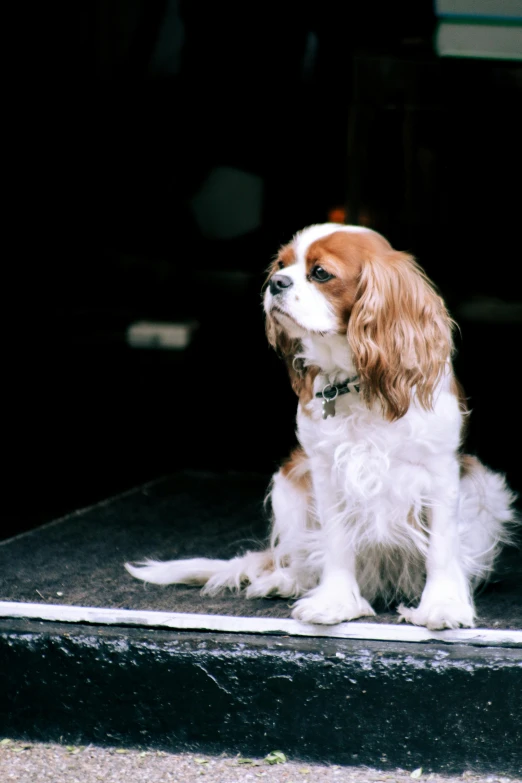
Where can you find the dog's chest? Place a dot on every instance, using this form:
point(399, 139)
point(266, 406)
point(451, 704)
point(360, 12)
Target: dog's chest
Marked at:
point(363, 455)
point(348, 425)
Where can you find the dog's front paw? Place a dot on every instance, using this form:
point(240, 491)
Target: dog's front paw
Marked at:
point(437, 616)
point(323, 609)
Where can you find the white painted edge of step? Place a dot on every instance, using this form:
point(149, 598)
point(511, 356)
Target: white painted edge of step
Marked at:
point(179, 621)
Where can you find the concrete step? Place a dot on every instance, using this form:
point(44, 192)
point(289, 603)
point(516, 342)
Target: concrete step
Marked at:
point(88, 654)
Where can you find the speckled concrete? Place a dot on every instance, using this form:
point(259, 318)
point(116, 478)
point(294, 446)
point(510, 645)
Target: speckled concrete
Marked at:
point(28, 762)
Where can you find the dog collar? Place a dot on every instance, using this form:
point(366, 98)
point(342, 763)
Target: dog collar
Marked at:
point(330, 392)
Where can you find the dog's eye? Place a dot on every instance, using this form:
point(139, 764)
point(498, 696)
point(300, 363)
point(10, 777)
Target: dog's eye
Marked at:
point(280, 265)
point(320, 275)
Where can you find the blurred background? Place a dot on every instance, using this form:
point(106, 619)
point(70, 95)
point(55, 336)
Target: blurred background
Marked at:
point(162, 152)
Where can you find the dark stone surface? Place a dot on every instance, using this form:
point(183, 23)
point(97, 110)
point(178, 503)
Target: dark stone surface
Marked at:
point(445, 708)
point(79, 560)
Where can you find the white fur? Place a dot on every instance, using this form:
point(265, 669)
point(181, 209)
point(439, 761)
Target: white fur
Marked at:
point(387, 515)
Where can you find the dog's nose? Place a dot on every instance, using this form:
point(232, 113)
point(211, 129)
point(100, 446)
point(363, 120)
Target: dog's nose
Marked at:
point(278, 283)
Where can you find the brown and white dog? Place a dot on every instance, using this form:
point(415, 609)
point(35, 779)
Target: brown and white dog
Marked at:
point(377, 502)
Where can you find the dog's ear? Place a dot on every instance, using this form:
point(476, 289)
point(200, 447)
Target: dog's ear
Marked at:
point(400, 333)
point(301, 377)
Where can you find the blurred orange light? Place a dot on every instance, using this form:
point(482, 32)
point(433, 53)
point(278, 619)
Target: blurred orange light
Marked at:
point(337, 215)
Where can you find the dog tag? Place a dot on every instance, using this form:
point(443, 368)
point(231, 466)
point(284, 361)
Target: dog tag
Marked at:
point(328, 407)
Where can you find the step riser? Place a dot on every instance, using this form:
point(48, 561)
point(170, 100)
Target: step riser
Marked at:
point(447, 708)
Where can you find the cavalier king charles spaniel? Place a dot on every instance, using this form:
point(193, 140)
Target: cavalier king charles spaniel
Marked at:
point(377, 503)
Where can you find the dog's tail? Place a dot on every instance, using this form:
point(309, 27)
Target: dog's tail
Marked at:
point(488, 518)
point(213, 575)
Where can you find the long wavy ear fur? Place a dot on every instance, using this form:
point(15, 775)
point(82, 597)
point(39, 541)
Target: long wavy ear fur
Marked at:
point(400, 333)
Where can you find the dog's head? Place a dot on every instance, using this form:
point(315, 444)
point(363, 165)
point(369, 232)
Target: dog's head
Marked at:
point(333, 279)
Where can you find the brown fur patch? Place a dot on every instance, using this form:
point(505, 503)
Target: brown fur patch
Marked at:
point(287, 255)
point(295, 469)
point(468, 464)
point(303, 386)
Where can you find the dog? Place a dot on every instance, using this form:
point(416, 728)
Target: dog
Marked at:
point(378, 503)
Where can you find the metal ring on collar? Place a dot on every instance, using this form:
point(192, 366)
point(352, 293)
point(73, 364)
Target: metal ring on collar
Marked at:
point(297, 364)
point(330, 386)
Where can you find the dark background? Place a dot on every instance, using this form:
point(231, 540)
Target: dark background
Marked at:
point(121, 109)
